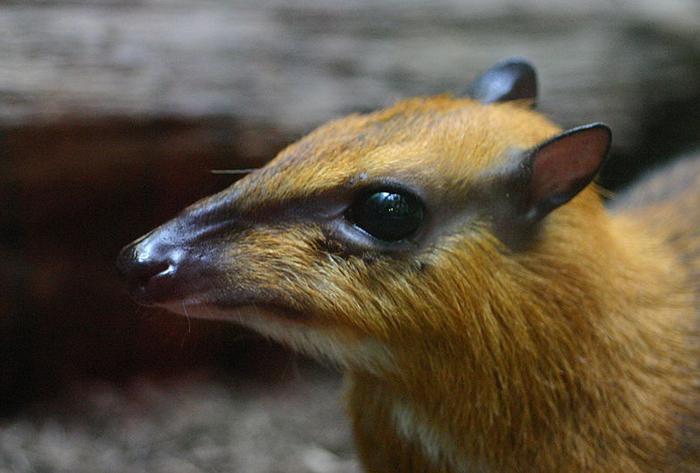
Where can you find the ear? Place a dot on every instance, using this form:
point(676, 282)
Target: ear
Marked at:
point(512, 79)
point(555, 171)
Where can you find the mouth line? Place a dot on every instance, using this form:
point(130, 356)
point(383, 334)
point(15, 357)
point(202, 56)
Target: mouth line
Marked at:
point(236, 310)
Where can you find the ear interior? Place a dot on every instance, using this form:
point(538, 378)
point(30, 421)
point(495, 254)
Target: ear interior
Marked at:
point(563, 166)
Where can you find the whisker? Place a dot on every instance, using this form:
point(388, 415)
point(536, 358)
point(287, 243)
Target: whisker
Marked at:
point(232, 171)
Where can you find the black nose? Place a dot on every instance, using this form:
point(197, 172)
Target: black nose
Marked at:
point(148, 265)
point(138, 266)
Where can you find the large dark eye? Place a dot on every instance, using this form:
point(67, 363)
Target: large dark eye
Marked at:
point(388, 215)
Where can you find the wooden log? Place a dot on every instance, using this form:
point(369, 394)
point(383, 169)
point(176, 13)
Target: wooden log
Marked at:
point(296, 64)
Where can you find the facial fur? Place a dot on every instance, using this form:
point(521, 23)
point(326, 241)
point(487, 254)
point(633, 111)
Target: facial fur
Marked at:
point(289, 244)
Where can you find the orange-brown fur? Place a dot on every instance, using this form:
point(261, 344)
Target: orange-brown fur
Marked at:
point(577, 354)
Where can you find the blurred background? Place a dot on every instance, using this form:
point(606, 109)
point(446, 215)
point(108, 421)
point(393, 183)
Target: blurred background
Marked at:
point(114, 112)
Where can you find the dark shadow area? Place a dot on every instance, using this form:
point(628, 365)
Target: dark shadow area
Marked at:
point(73, 194)
point(669, 130)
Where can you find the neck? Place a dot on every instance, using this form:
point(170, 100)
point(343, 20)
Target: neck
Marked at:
point(592, 373)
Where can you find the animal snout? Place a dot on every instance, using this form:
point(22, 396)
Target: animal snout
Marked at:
point(150, 266)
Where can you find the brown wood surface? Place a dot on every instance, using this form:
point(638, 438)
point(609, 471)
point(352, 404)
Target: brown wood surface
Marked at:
point(296, 64)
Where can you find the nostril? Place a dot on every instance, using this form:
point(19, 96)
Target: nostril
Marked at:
point(136, 269)
point(146, 271)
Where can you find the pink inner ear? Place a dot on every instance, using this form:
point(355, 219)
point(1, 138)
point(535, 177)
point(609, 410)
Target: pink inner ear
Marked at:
point(563, 166)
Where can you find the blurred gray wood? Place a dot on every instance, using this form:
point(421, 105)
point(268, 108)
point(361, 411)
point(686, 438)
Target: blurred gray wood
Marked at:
point(295, 64)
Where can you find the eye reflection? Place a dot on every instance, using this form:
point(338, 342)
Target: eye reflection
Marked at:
point(388, 215)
